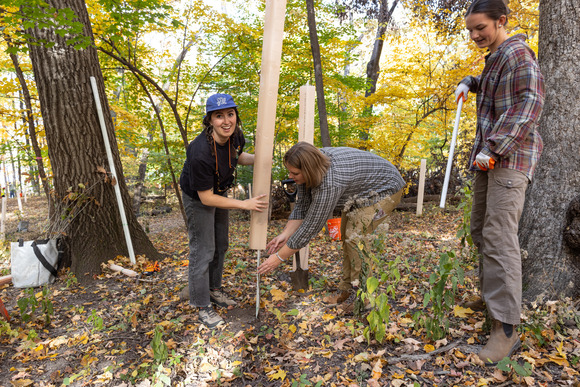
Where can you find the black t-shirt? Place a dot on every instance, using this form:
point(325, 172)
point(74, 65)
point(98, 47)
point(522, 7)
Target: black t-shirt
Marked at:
point(199, 169)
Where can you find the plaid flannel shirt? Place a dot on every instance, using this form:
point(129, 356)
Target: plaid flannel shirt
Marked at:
point(355, 178)
point(510, 97)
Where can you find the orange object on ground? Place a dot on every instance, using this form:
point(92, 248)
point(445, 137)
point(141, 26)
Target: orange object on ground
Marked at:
point(152, 268)
point(3, 311)
point(333, 226)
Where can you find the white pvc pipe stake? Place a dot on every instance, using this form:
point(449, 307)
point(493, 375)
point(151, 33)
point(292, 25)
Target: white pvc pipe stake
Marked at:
point(451, 150)
point(258, 288)
point(113, 172)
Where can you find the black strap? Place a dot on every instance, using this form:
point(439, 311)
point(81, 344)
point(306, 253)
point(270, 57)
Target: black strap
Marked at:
point(43, 260)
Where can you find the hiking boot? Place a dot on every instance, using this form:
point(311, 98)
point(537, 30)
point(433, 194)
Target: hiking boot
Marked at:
point(337, 297)
point(184, 294)
point(209, 317)
point(477, 305)
point(220, 298)
point(503, 341)
point(347, 307)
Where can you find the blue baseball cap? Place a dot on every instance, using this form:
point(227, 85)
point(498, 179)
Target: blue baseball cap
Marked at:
point(218, 102)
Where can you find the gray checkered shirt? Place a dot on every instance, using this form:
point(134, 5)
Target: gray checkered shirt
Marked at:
point(354, 179)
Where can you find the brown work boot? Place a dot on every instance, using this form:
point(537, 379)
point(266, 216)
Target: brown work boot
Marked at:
point(503, 341)
point(337, 297)
point(347, 307)
point(477, 305)
point(184, 294)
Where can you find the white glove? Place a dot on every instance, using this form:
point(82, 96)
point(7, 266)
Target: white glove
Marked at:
point(461, 92)
point(484, 162)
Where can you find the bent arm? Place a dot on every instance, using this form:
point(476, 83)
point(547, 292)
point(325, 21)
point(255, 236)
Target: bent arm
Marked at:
point(246, 159)
point(208, 198)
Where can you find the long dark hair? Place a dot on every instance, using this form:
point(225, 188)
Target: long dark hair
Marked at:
point(493, 9)
point(208, 128)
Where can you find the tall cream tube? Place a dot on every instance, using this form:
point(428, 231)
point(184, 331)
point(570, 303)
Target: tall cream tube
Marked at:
point(267, 99)
point(306, 114)
point(306, 133)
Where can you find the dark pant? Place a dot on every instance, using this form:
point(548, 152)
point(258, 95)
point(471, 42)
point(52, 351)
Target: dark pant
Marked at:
point(208, 243)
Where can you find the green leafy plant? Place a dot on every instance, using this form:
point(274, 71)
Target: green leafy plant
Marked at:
point(71, 279)
point(377, 297)
point(441, 295)
point(6, 330)
point(508, 365)
point(96, 321)
point(159, 347)
point(29, 301)
point(303, 381)
point(376, 288)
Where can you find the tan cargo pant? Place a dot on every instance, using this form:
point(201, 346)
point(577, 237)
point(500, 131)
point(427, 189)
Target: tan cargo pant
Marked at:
point(362, 221)
point(498, 201)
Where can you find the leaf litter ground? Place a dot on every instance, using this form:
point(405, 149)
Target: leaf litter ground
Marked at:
point(119, 331)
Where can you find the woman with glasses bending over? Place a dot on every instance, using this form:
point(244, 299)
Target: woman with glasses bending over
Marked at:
point(510, 97)
point(207, 175)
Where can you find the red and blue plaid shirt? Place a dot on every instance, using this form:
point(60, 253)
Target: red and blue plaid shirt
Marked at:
point(510, 97)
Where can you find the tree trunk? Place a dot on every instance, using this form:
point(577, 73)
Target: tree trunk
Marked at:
point(324, 133)
point(373, 66)
point(140, 183)
point(29, 119)
point(552, 266)
point(77, 152)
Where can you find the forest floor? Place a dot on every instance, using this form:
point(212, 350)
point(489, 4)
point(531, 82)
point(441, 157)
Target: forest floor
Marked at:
point(118, 331)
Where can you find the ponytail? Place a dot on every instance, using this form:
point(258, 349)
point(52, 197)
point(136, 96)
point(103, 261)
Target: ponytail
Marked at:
point(494, 9)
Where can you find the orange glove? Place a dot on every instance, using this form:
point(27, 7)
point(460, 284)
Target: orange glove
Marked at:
point(483, 162)
point(461, 91)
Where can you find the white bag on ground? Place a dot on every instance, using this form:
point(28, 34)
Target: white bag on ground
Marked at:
point(34, 263)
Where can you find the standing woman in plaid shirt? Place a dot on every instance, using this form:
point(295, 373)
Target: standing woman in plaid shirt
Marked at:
point(364, 186)
point(510, 96)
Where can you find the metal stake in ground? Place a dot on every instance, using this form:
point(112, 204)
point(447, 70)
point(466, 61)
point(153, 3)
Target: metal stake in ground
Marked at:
point(258, 288)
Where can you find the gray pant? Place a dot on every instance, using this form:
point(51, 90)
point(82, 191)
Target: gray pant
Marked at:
point(208, 243)
point(498, 201)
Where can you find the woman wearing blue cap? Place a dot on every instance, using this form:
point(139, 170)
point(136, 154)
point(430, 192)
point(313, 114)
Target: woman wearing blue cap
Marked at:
point(207, 175)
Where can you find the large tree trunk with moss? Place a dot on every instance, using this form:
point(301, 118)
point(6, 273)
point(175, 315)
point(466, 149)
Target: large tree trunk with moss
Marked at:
point(77, 152)
point(550, 225)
